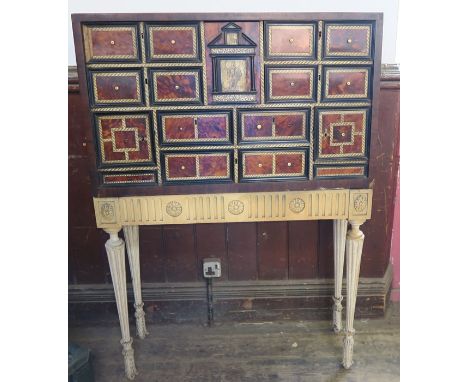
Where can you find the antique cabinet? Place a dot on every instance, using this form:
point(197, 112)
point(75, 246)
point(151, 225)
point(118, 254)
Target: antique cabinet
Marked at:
point(206, 118)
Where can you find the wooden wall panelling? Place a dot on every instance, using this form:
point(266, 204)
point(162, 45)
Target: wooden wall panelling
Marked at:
point(272, 250)
point(242, 254)
point(303, 249)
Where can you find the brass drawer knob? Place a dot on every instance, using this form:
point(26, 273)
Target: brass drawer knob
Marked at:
point(182, 167)
point(177, 87)
point(112, 42)
point(259, 127)
point(349, 41)
point(348, 83)
point(181, 128)
point(343, 134)
point(260, 165)
point(291, 40)
point(289, 164)
point(172, 42)
point(292, 84)
point(116, 87)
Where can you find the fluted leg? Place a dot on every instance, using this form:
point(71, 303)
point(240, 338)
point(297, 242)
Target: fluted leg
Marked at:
point(133, 250)
point(354, 243)
point(115, 248)
point(339, 240)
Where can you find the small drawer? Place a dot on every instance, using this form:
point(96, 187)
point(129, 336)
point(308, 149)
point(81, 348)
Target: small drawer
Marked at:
point(198, 166)
point(176, 42)
point(290, 84)
point(342, 133)
point(106, 43)
point(195, 128)
point(290, 41)
point(274, 164)
point(124, 139)
point(175, 86)
point(346, 83)
point(277, 125)
point(122, 179)
point(347, 40)
point(122, 87)
point(340, 171)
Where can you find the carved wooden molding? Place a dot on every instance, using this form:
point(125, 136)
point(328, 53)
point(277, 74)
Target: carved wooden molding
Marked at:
point(233, 207)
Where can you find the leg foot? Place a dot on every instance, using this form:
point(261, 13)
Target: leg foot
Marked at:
point(354, 243)
point(129, 359)
point(339, 239)
point(140, 321)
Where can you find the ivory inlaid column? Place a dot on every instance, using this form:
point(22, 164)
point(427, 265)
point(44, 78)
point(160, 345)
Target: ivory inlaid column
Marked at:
point(354, 243)
point(115, 248)
point(339, 240)
point(132, 241)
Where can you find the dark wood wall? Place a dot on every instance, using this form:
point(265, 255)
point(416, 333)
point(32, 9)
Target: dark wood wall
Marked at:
point(249, 251)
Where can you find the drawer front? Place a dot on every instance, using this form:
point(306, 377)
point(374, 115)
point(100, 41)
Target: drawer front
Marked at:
point(111, 43)
point(129, 178)
point(290, 84)
point(267, 125)
point(341, 171)
point(347, 40)
point(195, 128)
point(122, 87)
point(198, 166)
point(342, 133)
point(124, 139)
point(346, 83)
point(176, 86)
point(273, 164)
point(173, 42)
point(290, 41)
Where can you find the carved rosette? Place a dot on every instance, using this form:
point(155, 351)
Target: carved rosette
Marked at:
point(236, 207)
point(360, 203)
point(107, 212)
point(297, 205)
point(174, 208)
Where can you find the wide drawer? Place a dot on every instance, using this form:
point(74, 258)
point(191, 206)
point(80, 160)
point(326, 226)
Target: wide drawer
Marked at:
point(173, 42)
point(207, 127)
point(197, 166)
point(342, 133)
point(274, 125)
point(340, 171)
point(175, 86)
point(128, 178)
point(347, 40)
point(346, 83)
point(116, 42)
point(292, 84)
point(124, 138)
point(116, 87)
point(278, 165)
point(290, 40)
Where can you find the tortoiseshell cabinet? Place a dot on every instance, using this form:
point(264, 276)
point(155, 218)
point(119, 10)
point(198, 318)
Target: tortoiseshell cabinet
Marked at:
point(224, 104)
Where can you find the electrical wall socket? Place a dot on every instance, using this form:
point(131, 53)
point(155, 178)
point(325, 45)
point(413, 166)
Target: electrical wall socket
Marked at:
point(211, 268)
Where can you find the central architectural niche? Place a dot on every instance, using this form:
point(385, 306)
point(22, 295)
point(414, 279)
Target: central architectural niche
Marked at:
point(233, 62)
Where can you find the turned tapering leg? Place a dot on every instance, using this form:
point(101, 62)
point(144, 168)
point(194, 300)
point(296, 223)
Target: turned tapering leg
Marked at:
point(354, 243)
point(115, 248)
point(133, 250)
point(339, 240)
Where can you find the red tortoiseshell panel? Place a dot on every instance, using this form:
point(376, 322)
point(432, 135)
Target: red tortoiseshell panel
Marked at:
point(290, 125)
point(179, 128)
point(291, 40)
point(289, 163)
point(129, 178)
point(109, 87)
point(183, 166)
point(258, 164)
point(111, 43)
point(258, 126)
point(173, 42)
point(213, 165)
point(339, 171)
point(347, 40)
point(346, 84)
point(290, 84)
point(212, 127)
point(176, 86)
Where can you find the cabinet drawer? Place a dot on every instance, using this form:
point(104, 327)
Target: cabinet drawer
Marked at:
point(123, 87)
point(346, 83)
point(290, 41)
point(340, 171)
point(124, 139)
point(273, 164)
point(194, 128)
point(128, 178)
point(179, 42)
point(196, 166)
point(277, 125)
point(176, 86)
point(347, 40)
point(111, 43)
point(342, 133)
point(290, 84)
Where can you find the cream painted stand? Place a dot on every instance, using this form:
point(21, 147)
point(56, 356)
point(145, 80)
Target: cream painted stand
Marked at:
point(340, 205)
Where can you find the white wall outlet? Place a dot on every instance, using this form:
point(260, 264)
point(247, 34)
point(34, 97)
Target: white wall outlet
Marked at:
point(211, 268)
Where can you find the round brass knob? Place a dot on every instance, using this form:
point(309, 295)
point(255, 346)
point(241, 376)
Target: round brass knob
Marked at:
point(116, 88)
point(181, 128)
point(112, 42)
point(292, 84)
point(291, 40)
point(260, 165)
point(343, 134)
point(172, 42)
point(289, 164)
point(177, 87)
point(259, 127)
point(348, 83)
point(182, 167)
point(349, 41)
